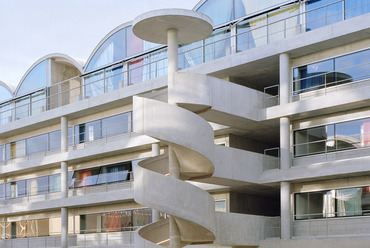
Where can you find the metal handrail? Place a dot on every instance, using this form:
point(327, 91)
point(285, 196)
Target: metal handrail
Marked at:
point(126, 78)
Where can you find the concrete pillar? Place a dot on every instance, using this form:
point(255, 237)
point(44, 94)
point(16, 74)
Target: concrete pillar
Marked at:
point(155, 152)
point(175, 238)
point(174, 168)
point(285, 212)
point(64, 181)
point(284, 67)
point(64, 232)
point(284, 143)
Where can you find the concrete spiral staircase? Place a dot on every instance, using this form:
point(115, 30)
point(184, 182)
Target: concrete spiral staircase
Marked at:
point(192, 140)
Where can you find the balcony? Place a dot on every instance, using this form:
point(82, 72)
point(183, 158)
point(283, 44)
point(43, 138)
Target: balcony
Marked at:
point(246, 34)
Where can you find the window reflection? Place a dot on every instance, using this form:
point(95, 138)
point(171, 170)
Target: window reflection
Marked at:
point(34, 80)
point(220, 11)
point(113, 49)
point(323, 12)
point(217, 45)
point(332, 203)
point(334, 137)
point(344, 69)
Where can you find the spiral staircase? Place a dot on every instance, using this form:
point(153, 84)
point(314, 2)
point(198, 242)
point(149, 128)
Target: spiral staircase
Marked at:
point(192, 140)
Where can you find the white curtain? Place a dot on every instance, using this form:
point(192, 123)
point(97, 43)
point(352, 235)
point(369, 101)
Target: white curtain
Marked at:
point(349, 202)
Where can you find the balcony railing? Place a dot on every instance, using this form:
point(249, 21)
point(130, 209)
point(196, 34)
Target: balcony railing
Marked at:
point(21, 150)
point(326, 82)
point(154, 64)
point(327, 225)
point(107, 182)
point(91, 238)
point(327, 146)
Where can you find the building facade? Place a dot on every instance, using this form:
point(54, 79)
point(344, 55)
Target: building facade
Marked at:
point(270, 127)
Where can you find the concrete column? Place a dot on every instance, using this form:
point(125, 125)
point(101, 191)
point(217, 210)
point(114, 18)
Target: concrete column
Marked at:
point(64, 232)
point(175, 238)
point(284, 65)
point(64, 181)
point(155, 152)
point(174, 168)
point(172, 40)
point(284, 143)
point(285, 212)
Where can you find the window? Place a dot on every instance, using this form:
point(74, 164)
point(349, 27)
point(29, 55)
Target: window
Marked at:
point(332, 203)
point(16, 189)
point(344, 69)
point(54, 140)
point(321, 13)
point(116, 124)
point(217, 45)
point(334, 137)
point(34, 80)
point(220, 205)
point(37, 144)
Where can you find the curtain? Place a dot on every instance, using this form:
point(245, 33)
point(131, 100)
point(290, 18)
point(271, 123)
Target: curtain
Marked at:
point(349, 202)
point(329, 204)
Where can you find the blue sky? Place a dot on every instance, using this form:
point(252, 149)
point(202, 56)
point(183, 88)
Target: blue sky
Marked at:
point(30, 30)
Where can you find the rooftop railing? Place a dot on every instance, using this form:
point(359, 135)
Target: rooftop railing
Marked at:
point(249, 33)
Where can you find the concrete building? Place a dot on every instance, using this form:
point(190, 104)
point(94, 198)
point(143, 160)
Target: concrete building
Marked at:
point(254, 133)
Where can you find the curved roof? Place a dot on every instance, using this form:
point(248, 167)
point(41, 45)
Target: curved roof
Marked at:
point(5, 92)
point(37, 70)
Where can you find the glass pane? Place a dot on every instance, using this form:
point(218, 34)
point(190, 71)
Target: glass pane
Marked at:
point(252, 33)
point(217, 45)
point(94, 84)
point(22, 108)
point(87, 177)
point(352, 134)
point(136, 71)
point(220, 11)
point(5, 94)
point(38, 103)
point(114, 78)
point(21, 188)
point(190, 55)
point(158, 64)
point(134, 44)
point(349, 202)
point(356, 8)
point(322, 12)
point(54, 140)
point(79, 134)
point(113, 49)
point(116, 125)
point(141, 217)
point(352, 67)
point(37, 144)
point(220, 206)
point(17, 149)
point(54, 183)
point(93, 130)
point(38, 185)
point(35, 79)
point(2, 153)
point(2, 191)
point(6, 113)
point(283, 23)
point(314, 76)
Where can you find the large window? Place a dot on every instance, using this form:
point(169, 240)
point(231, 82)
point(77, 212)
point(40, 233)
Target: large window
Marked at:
point(332, 203)
point(345, 69)
point(102, 175)
point(29, 187)
point(34, 80)
point(321, 13)
point(333, 137)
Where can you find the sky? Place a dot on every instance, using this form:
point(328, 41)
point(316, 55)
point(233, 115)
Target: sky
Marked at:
point(30, 30)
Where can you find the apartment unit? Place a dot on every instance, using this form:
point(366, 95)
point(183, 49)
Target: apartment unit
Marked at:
point(267, 120)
